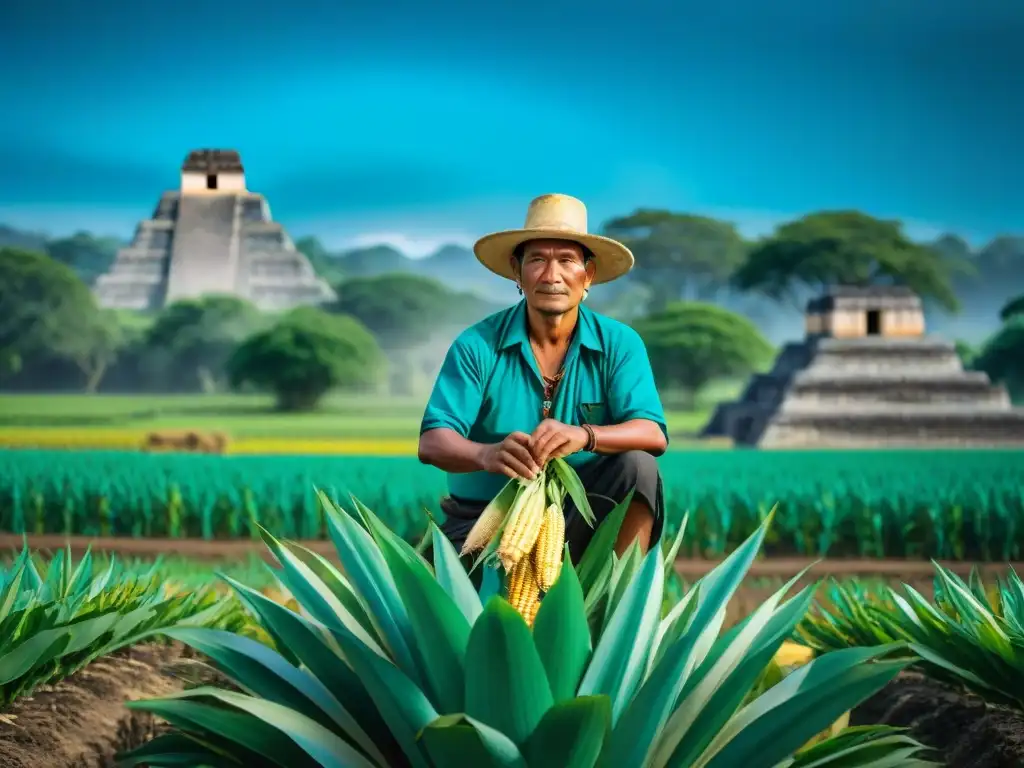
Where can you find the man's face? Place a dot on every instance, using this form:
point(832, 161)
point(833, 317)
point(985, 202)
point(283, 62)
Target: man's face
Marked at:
point(553, 275)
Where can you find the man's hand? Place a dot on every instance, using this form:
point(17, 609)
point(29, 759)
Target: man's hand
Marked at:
point(553, 439)
point(511, 457)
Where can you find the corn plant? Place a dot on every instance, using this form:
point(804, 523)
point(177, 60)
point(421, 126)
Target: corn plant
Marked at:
point(394, 662)
point(970, 635)
point(957, 505)
point(53, 624)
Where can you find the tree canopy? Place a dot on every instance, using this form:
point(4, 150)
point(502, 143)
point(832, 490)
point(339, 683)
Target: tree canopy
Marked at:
point(403, 310)
point(677, 254)
point(1002, 357)
point(1012, 308)
point(45, 308)
point(691, 344)
point(846, 248)
point(192, 339)
point(306, 354)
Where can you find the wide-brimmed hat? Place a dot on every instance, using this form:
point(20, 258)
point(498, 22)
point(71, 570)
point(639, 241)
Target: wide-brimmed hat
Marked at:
point(559, 217)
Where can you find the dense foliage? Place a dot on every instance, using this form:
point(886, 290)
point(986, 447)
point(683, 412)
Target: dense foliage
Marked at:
point(970, 635)
point(395, 661)
point(55, 622)
point(691, 344)
point(947, 504)
point(306, 354)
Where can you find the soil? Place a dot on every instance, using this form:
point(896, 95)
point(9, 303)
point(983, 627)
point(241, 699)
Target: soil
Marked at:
point(230, 549)
point(960, 727)
point(81, 722)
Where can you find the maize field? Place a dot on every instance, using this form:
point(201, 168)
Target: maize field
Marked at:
point(957, 505)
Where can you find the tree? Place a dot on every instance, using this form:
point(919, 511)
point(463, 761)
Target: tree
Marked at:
point(1012, 308)
point(306, 354)
point(192, 339)
point(96, 346)
point(846, 248)
point(88, 255)
point(679, 254)
point(691, 344)
point(403, 310)
point(1002, 357)
point(43, 305)
point(966, 352)
point(323, 263)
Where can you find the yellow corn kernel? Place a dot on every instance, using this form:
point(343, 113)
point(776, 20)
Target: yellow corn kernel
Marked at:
point(483, 529)
point(531, 612)
point(547, 554)
point(523, 589)
point(523, 527)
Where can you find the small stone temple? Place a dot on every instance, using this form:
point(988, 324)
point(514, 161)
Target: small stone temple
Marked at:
point(867, 376)
point(211, 235)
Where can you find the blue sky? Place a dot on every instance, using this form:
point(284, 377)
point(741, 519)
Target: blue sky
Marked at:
point(421, 122)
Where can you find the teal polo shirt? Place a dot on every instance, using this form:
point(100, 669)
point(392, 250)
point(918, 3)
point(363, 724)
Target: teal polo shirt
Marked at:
point(490, 385)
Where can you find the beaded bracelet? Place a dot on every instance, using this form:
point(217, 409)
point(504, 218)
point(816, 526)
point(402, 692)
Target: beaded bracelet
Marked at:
point(591, 438)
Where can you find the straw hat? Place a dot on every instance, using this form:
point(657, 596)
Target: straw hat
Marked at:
point(560, 217)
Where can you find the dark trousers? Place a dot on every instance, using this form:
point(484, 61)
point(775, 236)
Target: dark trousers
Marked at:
point(607, 479)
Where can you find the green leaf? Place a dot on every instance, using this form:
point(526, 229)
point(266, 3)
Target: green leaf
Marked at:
point(178, 749)
point(620, 658)
point(574, 487)
point(39, 648)
point(506, 687)
point(452, 576)
point(337, 583)
point(571, 734)
point(719, 687)
point(807, 701)
point(310, 645)
point(561, 634)
point(401, 703)
point(245, 731)
point(643, 720)
point(440, 630)
point(264, 673)
point(366, 569)
point(313, 595)
point(602, 546)
point(326, 749)
point(622, 575)
point(460, 740)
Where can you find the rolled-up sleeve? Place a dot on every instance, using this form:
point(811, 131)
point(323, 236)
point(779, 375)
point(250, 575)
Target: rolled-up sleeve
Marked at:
point(632, 392)
point(458, 392)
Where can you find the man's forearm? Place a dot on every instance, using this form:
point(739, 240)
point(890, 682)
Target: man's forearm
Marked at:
point(449, 451)
point(633, 435)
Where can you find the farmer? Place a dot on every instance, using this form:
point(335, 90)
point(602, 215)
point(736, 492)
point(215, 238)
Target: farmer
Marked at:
point(547, 378)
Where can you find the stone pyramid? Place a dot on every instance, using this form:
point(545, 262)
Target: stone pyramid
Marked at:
point(211, 236)
point(867, 376)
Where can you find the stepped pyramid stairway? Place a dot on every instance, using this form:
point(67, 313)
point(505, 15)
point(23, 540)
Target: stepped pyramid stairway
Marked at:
point(866, 376)
point(211, 236)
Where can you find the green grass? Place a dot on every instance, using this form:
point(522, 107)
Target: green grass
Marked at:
point(339, 416)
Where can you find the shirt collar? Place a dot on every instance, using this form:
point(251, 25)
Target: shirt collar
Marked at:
point(515, 329)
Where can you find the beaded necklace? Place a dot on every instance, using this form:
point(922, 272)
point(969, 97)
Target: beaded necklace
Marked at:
point(550, 385)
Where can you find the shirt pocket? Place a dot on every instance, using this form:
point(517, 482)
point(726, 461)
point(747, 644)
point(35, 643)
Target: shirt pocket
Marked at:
point(593, 414)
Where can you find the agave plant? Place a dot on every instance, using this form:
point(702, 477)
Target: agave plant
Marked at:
point(971, 635)
point(392, 662)
point(54, 624)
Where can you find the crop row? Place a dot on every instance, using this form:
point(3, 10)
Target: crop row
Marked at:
point(948, 505)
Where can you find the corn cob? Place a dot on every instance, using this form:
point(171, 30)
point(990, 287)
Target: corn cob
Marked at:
point(531, 612)
point(486, 526)
point(523, 590)
point(523, 526)
point(547, 553)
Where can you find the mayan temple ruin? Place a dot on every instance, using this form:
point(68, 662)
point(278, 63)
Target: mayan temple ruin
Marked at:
point(212, 235)
point(867, 376)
